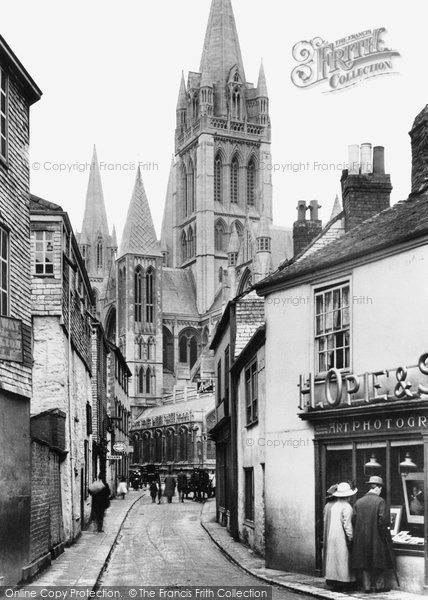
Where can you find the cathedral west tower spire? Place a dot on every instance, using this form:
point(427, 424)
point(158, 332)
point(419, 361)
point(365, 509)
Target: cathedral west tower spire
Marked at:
point(139, 301)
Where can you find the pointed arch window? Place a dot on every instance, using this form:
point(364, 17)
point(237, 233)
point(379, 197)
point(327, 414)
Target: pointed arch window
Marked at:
point(168, 349)
point(195, 105)
point(234, 180)
point(148, 382)
point(150, 296)
point(141, 381)
point(219, 236)
point(151, 349)
point(99, 252)
point(184, 182)
point(190, 244)
point(236, 104)
point(251, 183)
point(218, 179)
point(138, 294)
point(183, 247)
point(190, 189)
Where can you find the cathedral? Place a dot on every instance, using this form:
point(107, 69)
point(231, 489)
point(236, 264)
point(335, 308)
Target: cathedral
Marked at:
point(160, 299)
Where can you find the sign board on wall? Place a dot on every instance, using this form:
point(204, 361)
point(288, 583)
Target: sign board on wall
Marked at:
point(340, 390)
point(11, 339)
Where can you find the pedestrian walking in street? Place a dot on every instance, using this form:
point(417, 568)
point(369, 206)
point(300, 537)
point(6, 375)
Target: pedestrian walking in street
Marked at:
point(371, 521)
point(100, 492)
point(159, 492)
point(170, 485)
point(212, 484)
point(181, 484)
point(153, 491)
point(122, 488)
point(338, 534)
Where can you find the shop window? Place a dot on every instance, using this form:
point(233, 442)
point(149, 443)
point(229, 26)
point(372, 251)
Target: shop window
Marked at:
point(401, 466)
point(332, 328)
point(251, 393)
point(44, 252)
point(249, 494)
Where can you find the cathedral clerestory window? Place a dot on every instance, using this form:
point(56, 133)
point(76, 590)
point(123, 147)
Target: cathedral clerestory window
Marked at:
point(234, 180)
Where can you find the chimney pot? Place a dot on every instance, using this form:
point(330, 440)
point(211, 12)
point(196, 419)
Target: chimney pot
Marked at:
point(354, 159)
point(314, 208)
point(379, 160)
point(301, 210)
point(366, 158)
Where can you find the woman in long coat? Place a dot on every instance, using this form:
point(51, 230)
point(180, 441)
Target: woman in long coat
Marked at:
point(338, 536)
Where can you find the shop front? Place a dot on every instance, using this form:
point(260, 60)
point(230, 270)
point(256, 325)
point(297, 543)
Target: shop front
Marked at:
point(376, 424)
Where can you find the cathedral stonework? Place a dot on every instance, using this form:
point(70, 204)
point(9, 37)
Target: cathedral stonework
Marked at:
point(159, 300)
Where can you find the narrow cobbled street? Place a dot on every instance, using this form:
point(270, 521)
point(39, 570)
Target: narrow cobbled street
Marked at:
point(165, 545)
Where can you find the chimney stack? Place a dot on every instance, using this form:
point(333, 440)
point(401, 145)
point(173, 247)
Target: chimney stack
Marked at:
point(366, 189)
point(304, 231)
point(419, 138)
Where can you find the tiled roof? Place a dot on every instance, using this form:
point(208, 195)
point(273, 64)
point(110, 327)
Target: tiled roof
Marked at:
point(400, 223)
point(178, 292)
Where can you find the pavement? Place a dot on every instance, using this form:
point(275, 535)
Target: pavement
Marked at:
point(251, 563)
point(81, 564)
point(165, 545)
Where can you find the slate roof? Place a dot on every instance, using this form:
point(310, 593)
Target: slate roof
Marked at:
point(178, 292)
point(402, 222)
point(40, 204)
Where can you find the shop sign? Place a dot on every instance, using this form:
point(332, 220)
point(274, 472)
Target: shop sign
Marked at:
point(341, 390)
point(119, 447)
point(114, 457)
point(205, 386)
point(11, 339)
point(368, 426)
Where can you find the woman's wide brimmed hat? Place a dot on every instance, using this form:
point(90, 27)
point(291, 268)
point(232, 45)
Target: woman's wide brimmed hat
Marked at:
point(331, 490)
point(344, 490)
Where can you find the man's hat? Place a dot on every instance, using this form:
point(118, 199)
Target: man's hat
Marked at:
point(375, 479)
point(344, 490)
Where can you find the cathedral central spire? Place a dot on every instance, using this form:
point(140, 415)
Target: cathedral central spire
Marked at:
point(221, 50)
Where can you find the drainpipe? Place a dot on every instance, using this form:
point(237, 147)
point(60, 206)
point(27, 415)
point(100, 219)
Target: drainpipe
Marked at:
point(70, 427)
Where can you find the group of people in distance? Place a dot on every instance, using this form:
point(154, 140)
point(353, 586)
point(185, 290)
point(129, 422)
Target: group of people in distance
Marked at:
point(200, 483)
point(357, 539)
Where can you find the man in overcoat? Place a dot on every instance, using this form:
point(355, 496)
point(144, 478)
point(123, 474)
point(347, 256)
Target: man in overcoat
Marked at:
point(182, 484)
point(371, 520)
point(169, 490)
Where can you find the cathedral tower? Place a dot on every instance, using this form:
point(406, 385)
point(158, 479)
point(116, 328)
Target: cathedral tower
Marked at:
point(139, 301)
point(222, 146)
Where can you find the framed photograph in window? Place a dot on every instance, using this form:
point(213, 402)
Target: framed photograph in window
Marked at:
point(414, 497)
point(396, 514)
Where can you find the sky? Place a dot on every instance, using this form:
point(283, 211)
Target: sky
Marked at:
point(110, 75)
